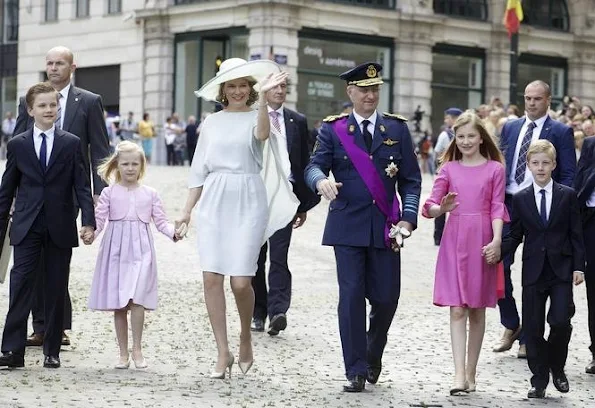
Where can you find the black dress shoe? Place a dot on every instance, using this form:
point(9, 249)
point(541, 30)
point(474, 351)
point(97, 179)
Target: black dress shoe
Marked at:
point(278, 323)
point(536, 393)
point(356, 384)
point(257, 325)
point(560, 381)
point(590, 369)
point(12, 360)
point(51, 362)
point(374, 369)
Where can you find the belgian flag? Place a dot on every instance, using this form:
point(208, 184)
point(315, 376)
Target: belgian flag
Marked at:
point(513, 16)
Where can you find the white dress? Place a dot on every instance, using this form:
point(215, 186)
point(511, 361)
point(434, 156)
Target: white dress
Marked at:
point(232, 217)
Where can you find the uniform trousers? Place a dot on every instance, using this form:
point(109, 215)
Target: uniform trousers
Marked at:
point(373, 274)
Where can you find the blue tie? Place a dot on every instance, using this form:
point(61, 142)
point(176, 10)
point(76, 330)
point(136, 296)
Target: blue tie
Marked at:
point(543, 210)
point(521, 165)
point(43, 153)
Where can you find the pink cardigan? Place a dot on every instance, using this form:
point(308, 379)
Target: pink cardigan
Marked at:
point(113, 205)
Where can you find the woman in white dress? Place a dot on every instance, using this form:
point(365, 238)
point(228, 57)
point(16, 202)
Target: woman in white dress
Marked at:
point(233, 209)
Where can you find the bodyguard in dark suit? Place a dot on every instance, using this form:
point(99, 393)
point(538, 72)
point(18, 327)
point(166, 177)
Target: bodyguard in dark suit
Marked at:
point(80, 112)
point(292, 127)
point(44, 166)
point(515, 139)
point(584, 185)
point(368, 153)
point(546, 215)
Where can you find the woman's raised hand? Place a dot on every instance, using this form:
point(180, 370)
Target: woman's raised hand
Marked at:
point(273, 81)
point(448, 203)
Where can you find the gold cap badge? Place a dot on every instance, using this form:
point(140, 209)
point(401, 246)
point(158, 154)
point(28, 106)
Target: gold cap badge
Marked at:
point(371, 72)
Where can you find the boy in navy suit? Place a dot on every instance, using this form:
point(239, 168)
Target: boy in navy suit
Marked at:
point(44, 167)
point(546, 214)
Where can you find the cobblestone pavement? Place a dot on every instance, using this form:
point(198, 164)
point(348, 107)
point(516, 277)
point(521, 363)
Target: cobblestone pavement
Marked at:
point(300, 368)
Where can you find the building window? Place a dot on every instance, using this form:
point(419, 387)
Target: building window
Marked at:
point(552, 70)
point(458, 76)
point(114, 6)
point(82, 8)
point(51, 10)
point(552, 14)
point(8, 96)
point(10, 32)
point(473, 9)
point(320, 91)
point(386, 4)
point(196, 57)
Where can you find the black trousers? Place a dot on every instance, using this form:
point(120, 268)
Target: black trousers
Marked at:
point(38, 309)
point(278, 297)
point(588, 215)
point(23, 277)
point(545, 355)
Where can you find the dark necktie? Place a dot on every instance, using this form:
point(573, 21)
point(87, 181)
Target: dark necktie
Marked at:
point(58, 120)
point(43, 153)
point(367, 134)
point(543, 210)
point(521, 165)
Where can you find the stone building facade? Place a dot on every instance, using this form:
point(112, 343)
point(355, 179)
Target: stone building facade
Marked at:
point(150, 55)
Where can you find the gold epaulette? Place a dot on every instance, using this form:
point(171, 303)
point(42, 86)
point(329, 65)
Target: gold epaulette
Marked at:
point(332, 118)
point(395, 116)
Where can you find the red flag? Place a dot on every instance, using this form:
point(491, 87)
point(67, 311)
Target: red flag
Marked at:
point(513, 16)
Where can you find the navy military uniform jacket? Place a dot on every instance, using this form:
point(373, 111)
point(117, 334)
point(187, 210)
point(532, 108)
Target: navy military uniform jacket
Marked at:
point(353, 218)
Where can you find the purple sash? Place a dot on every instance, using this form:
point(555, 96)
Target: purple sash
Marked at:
point(367, 170)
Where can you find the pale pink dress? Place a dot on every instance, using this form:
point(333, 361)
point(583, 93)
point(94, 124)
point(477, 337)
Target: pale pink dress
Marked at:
point(126, 267)
point(463, 277)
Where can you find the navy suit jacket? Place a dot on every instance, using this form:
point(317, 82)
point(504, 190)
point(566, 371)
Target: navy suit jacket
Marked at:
point(584, 183)
point(296, 129)
point(51, 192)
point(560, 241)
point(84, 118)
point(353, 218)
point(560, 135)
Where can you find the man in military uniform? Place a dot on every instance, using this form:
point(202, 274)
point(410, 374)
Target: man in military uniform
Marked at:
point(368, 153)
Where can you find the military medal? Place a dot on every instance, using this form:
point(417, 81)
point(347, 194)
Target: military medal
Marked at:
point(391, 170)
point(382, 128)
point(389, 141)
point(351, 128)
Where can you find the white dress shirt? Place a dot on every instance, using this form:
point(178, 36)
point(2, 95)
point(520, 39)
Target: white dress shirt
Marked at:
point(284, 151)
point(513, 187)
point(371, 126)
point(62, 102)
point(591, 200)
point(49, 141)
point(548, 197)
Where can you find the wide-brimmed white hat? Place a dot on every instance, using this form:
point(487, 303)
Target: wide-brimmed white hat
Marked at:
point(234, 68)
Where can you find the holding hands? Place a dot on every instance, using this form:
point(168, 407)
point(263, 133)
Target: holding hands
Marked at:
point(87, 234)
point(492, 252)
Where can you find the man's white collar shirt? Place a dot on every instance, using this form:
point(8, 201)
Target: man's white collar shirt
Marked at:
point(371, 126)
point(62, 102)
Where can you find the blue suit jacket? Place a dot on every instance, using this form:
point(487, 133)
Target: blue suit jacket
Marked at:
point(560, 135)
point(584, 183)
point(560, 241)
point(354, 219)
point(51, 192)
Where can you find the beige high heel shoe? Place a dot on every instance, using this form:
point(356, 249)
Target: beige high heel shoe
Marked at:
point(245, 366)
point(221, 375)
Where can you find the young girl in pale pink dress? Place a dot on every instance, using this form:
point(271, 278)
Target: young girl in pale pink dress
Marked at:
point(469, 186)
point(126, 270)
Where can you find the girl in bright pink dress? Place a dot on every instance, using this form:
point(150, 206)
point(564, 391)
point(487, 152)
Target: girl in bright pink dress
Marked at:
point(126, 271)
point(470, 186)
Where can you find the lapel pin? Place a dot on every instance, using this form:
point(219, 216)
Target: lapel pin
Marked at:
point(351, 128)
point(76, 99)
point(382, 128)
point(291, 119)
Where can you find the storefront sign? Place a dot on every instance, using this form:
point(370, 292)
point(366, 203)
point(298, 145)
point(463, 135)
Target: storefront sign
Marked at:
point(321, 88)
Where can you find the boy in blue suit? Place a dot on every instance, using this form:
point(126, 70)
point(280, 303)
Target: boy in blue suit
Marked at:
point(546, 214)
point(44, 168)
point(368, 153)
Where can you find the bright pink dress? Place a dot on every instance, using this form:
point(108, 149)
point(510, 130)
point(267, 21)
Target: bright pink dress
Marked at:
point(126, 267)
point(463, 277)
